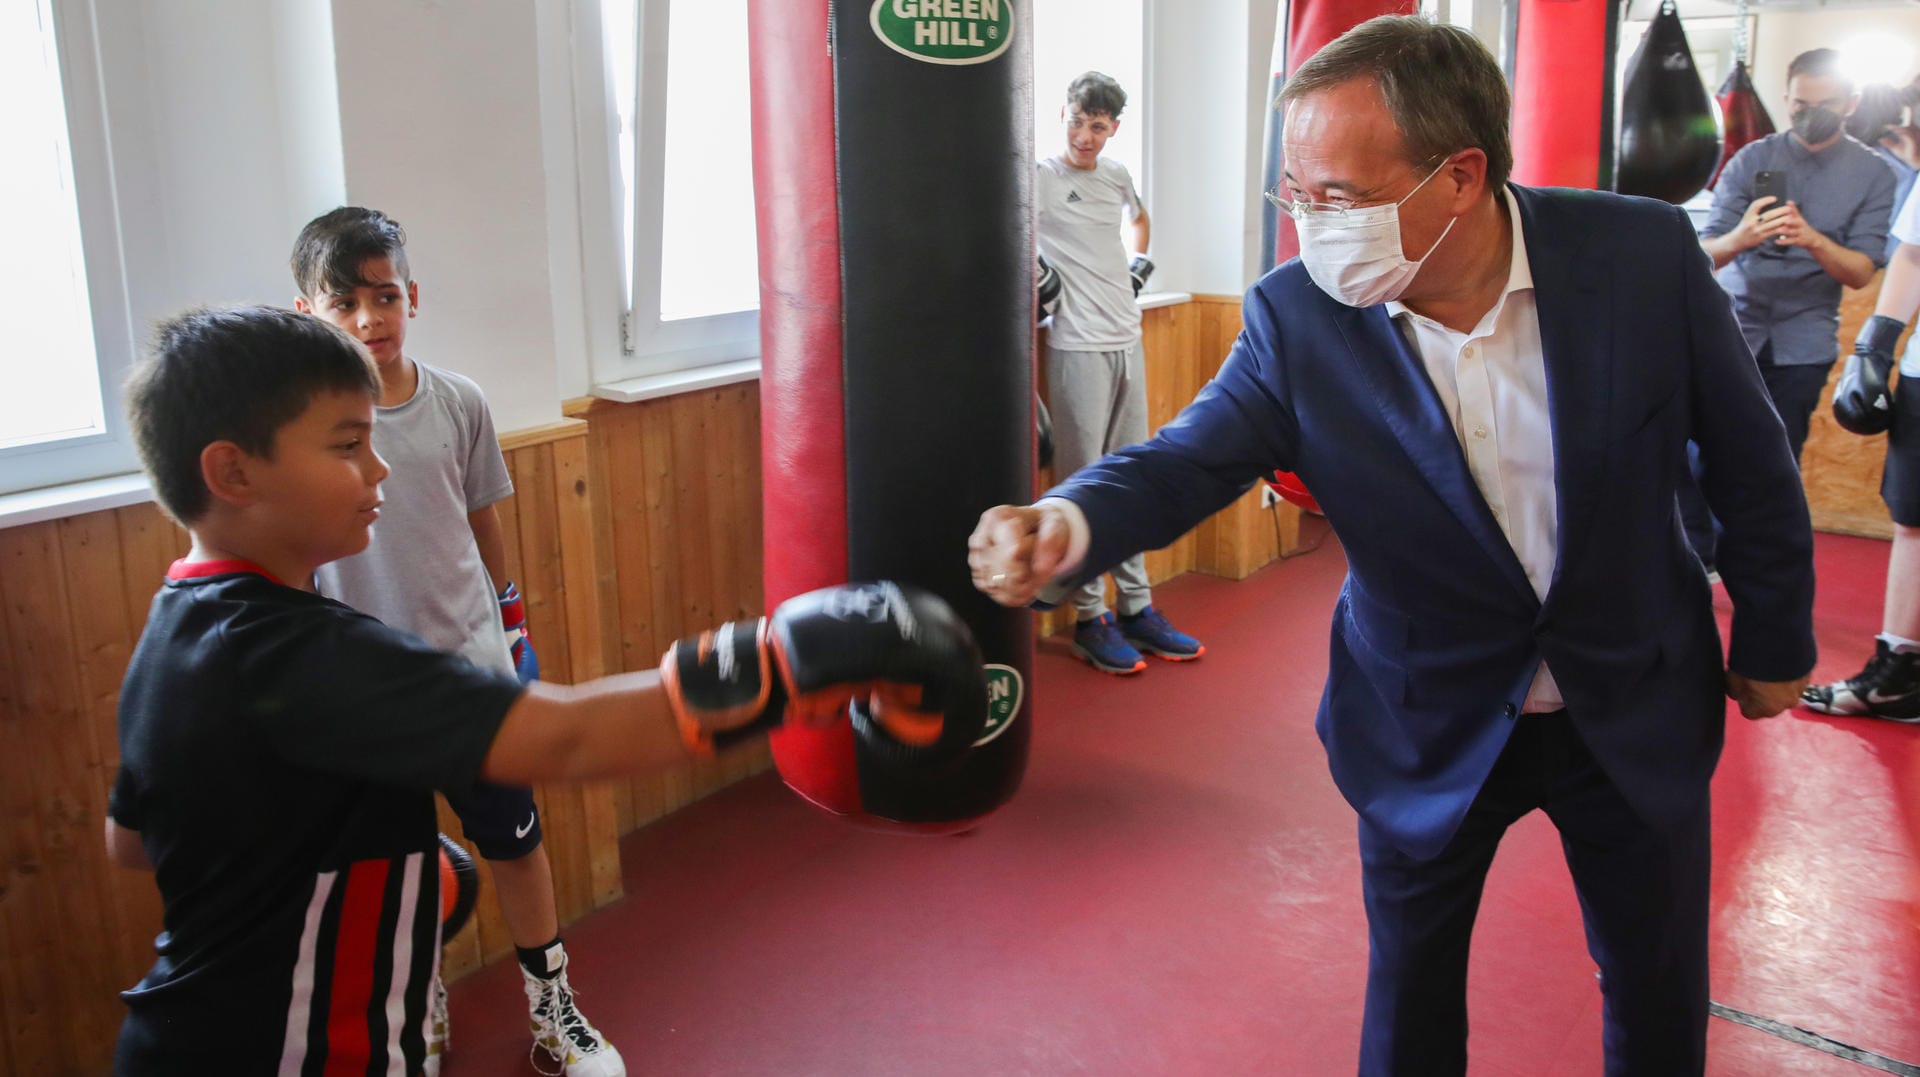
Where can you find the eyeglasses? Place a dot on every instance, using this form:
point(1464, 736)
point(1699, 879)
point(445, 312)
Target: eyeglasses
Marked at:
point(1336, 215)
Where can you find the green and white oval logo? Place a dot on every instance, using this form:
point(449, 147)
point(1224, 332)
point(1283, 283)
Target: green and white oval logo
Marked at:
point(945, 31)
point(1005, 692)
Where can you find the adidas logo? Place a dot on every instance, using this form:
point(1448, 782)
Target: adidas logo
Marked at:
point(1074, 196)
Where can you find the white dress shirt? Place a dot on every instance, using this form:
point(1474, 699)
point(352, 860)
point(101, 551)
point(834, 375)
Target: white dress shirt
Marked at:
point(1493, 384)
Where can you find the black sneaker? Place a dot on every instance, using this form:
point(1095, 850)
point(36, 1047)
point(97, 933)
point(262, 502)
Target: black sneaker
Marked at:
point(1888, 688)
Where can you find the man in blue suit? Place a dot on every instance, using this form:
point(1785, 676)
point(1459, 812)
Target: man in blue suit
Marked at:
point(1490, 390)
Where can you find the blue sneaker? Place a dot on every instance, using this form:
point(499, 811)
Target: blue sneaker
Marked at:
point(1151, 633)
point(1098, 641)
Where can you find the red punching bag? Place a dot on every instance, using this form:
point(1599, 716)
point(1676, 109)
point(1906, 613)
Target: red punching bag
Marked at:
point(1669, 136)
point(1561, 69)
point(1744, 115)
point(1309, 25)
point(896, 326)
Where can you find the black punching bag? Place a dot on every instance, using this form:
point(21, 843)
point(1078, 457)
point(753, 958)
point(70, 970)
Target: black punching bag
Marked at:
point(893, 179)
point(1669, 138)
point(1740, 109)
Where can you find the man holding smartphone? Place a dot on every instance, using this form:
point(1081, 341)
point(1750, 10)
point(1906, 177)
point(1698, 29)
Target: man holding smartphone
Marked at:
point(1796, 216)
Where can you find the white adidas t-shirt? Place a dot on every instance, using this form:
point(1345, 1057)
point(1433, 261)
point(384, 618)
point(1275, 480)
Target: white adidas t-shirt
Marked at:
point(1079, 218)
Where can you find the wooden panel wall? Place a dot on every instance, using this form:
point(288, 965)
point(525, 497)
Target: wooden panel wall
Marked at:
point(679, 479)
point(1842, 470)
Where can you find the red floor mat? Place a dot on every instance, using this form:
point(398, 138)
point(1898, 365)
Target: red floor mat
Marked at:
point(1176, 891)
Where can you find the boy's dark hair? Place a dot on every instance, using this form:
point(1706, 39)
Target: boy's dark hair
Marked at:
point(234, 374)
point(1095, 94)
point(333, 246)
point(1445, 90)
point(1819, 63)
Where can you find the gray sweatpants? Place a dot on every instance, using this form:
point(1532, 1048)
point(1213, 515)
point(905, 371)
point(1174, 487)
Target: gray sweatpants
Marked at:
point(1099, 403)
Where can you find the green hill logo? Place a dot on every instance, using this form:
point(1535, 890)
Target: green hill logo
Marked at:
point(945, 31)
point(1005, 692)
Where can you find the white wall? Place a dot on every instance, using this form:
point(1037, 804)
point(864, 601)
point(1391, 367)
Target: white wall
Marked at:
point(441, 127)
point(1207, 63)
point(214, 159)
point(1779, 36)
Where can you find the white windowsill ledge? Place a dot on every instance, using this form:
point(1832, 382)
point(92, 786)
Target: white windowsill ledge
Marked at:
point(1150, 300)
point(672, 383)
point(73, 499)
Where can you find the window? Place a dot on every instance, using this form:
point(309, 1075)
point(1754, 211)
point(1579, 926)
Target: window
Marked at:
point(681, 130)
point(678, 71)
point(59, 416)
point(1074, 36)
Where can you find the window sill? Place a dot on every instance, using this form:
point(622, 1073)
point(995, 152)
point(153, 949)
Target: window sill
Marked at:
point(73, 499)
point(675, 382)
point(1150, 300)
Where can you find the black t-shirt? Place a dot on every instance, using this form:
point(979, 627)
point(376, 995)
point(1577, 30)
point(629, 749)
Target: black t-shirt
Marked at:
point(278, 752)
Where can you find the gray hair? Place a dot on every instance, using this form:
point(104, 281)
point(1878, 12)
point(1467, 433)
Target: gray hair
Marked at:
point(1443, 88)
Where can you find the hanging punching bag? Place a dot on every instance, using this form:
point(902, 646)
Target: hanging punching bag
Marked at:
point(1561, 68)
point(1743, 113)
point(896, 324)
point(1669, 138)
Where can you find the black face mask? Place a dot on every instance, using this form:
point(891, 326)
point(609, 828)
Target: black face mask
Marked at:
point(1815, 125)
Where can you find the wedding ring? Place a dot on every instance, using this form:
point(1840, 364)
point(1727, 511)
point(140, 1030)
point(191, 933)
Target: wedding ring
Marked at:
point(996, 579)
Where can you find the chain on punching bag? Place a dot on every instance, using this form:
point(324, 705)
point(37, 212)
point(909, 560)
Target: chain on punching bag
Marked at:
point(1669, 136)
point(1741, 109)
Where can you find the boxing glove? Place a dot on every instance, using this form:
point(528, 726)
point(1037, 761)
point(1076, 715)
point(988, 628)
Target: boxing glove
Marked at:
point(1139, 268)
point(894, 658)
point(1862, 402)
point(513, 622)
point(1047, 281)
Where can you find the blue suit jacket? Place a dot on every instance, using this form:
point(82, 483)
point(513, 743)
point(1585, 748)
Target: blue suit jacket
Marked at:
point(1437, 633)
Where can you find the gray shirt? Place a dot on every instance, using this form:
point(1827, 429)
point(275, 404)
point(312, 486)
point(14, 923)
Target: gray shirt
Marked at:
point(1077, 223)
point(1780, 294)
point(422, 572)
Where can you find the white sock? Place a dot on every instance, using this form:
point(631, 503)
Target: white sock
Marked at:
point(1900, 644)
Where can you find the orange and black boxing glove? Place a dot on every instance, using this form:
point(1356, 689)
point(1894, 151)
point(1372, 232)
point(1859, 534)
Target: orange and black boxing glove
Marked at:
point(894, 659)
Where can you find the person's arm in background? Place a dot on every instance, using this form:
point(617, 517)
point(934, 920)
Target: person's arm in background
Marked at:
point(1733, 224)
point(1900, 288)
point(485, 524)
point(1854, 258)
point(1142, 228)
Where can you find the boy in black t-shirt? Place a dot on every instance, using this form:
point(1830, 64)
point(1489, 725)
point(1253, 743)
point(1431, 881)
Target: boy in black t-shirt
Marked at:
point(278, 749)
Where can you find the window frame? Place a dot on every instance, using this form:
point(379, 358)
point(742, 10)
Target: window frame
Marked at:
point(109, 452)
point(640, 344)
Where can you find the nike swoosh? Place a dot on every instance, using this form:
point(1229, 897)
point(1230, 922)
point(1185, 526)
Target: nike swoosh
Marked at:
point(521, 831)
point(1877, 697)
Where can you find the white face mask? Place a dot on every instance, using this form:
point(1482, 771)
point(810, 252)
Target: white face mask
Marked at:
point(1354, 255)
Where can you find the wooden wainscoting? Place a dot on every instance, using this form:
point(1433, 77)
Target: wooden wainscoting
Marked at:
point(680, 535)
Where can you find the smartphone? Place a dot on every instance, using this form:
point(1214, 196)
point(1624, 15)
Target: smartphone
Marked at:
point(1770, 183)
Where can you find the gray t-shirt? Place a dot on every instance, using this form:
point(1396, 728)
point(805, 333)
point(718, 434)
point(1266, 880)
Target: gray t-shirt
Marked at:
point(422, 572)
point(1078, 221)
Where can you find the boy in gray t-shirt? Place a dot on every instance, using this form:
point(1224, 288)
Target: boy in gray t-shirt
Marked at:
point(432, 568)
point(1096, 372)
